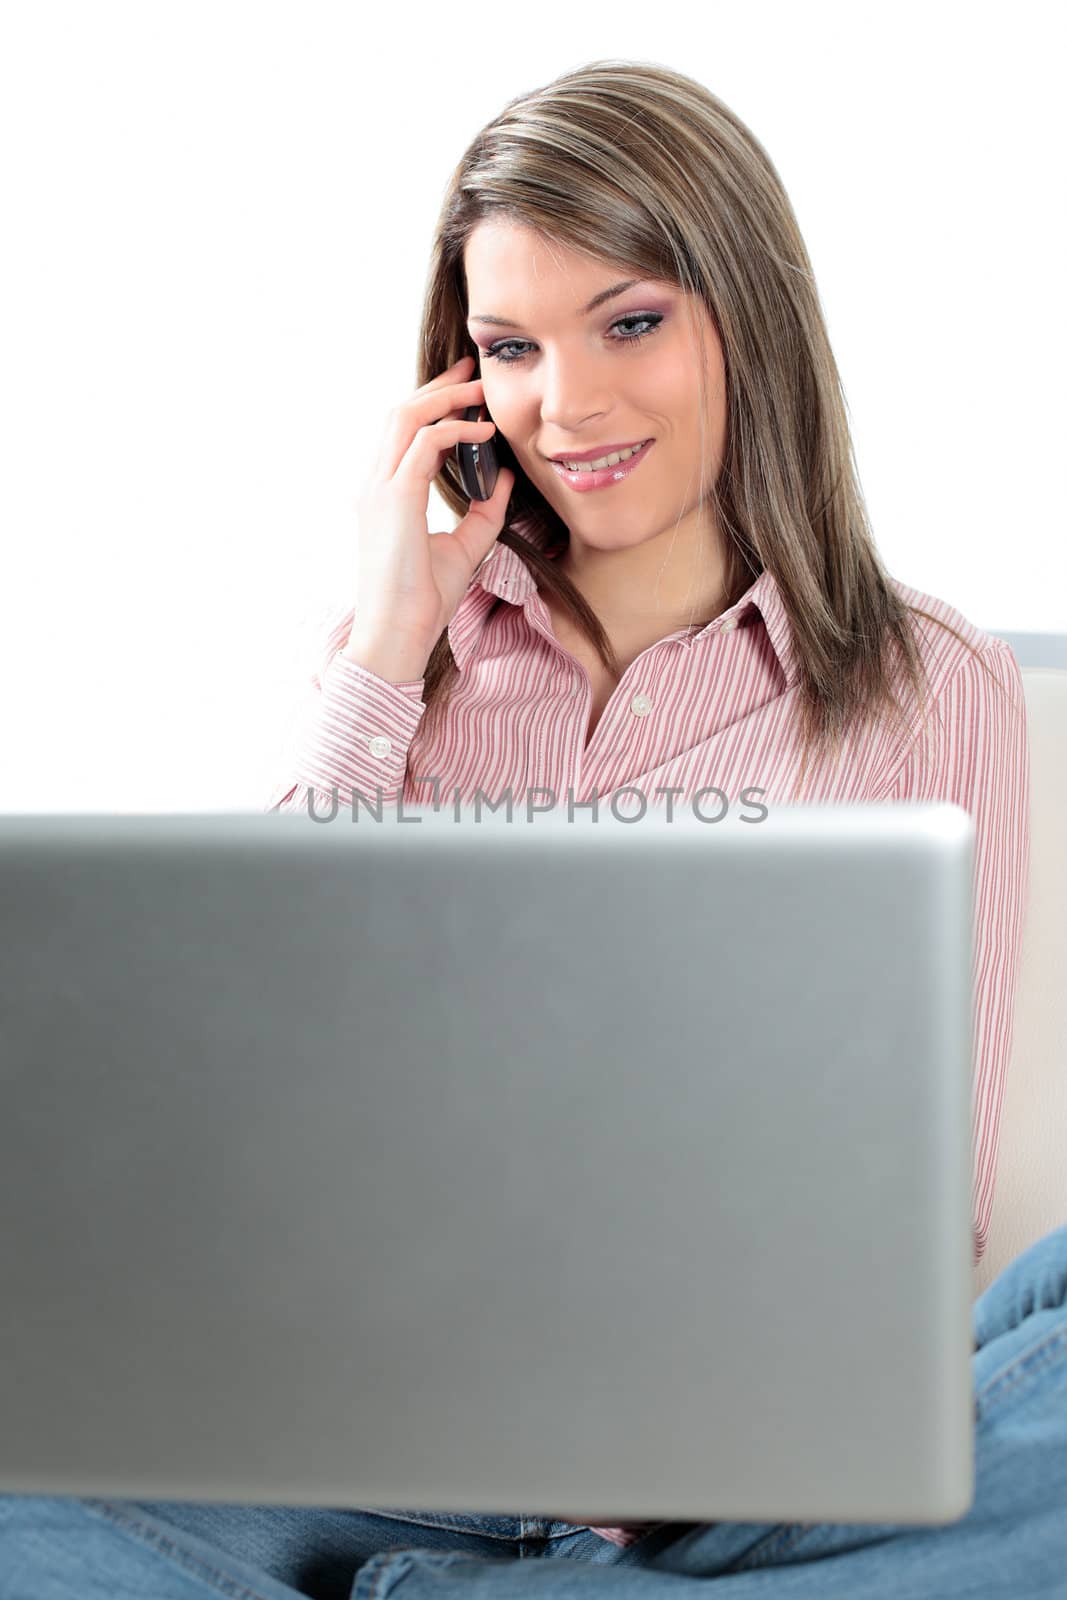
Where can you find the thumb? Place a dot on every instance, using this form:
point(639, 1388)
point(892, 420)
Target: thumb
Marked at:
point(483, 522)
point(495, 508)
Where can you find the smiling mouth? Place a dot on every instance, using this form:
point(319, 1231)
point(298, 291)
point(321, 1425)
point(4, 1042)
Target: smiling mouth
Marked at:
point(581, 480)
point(585, 463)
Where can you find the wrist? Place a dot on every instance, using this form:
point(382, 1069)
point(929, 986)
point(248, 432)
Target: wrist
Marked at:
point(394, 659)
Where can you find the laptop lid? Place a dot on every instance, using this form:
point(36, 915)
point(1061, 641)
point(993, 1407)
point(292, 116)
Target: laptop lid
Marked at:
point(611, 1170)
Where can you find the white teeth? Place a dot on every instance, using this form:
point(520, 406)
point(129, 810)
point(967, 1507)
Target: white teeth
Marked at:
point(605, 461)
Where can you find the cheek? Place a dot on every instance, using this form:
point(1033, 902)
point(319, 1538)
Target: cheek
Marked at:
point(509, 419)
point(674, 384)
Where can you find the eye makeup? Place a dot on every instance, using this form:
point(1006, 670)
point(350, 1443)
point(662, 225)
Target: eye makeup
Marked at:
point(651, 320)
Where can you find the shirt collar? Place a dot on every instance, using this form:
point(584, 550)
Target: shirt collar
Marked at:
point(504, 575)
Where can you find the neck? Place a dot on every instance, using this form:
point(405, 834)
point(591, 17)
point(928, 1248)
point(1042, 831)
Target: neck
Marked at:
point(642, 601)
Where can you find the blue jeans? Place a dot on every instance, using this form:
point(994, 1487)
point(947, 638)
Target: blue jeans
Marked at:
point(1012, 1543)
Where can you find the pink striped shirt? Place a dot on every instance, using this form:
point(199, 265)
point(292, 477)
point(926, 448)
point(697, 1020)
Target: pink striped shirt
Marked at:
point(716, 709)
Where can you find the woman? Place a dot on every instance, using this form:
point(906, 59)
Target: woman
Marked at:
point(617, 265)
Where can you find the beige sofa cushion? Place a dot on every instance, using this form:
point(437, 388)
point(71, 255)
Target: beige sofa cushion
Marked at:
point(1030, 1194)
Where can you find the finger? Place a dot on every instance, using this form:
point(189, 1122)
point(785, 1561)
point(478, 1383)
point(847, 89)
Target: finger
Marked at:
point(433, 445)
point(388, 455)
point(449, 374)
point(421, 411)
point(480, 528)
point(456, 373)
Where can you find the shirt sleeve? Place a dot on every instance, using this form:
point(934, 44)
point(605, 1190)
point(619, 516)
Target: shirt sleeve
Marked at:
point(975, 751)
point(353, 736)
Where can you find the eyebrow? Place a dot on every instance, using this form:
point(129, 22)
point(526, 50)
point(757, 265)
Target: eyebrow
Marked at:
point(597, 300)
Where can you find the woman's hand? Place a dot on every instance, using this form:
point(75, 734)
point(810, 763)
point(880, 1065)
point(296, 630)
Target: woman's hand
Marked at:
point(409, 582)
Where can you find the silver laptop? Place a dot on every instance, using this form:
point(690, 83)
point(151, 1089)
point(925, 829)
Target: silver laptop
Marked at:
point(606, 1169)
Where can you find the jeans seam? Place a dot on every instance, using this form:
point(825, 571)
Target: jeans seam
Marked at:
point(236, 1588)
point(1023, 1366)
point(772, 1544)
point(393, 1566)
point(444, 1523)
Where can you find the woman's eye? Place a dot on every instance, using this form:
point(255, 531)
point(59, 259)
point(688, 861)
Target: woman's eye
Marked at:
point(653, 320)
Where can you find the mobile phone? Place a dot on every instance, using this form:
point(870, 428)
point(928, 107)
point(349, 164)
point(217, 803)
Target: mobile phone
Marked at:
point(477, 461)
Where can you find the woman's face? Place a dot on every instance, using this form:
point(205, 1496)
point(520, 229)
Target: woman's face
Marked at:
point(563, 379)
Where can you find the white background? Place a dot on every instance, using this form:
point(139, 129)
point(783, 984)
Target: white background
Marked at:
point(215, 226)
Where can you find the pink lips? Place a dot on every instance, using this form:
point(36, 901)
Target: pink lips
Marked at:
point(583, 482)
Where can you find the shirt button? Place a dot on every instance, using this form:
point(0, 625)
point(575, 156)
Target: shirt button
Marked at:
point(730, 623)
point(379, 745)
point(640, 705)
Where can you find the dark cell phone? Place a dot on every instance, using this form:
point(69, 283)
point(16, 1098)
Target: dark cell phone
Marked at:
point(477, 460)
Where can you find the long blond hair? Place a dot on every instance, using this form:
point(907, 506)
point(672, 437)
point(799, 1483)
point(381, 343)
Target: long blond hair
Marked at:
point(674, 186)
